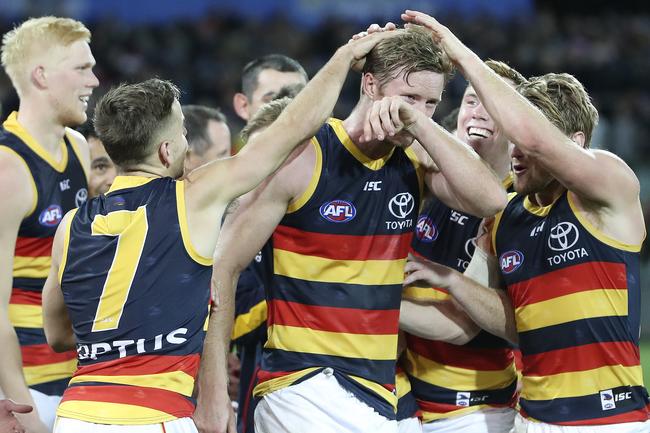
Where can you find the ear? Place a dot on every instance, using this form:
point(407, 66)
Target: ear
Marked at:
point(164, 154)
point(579, 138)
point(39, 78)
point(369, 85)
point(240, 104)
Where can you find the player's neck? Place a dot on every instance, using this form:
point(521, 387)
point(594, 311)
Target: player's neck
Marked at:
point(41, 124)
point(548, 195)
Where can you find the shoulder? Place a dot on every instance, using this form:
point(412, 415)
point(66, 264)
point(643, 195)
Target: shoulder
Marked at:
point(80, 144)
point(17, 189)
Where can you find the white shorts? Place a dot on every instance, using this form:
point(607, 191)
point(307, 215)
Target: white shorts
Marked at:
point(69, 425)
point(409, 425)
point(488, 420)
point(523, 425)
point(318, 405)
point(46, 406)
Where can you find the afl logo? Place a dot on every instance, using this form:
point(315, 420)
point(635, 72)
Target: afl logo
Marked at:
point(51, 217)
point(510, 261)
point(338, 211)
point(426, 230)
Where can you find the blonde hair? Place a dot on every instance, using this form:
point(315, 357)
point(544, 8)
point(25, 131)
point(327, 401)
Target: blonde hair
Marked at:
point(266, 115)
point(506, 71)
point(36, 36)
point(564, 101)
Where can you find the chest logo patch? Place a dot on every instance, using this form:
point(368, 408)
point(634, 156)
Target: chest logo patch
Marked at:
point(425, 230)
point(338, 211)
point(51, 216)
point(563, 236)
point(510, 261)
point(401, 205)
point(80, 197)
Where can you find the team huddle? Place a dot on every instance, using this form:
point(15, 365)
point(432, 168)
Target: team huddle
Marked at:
point(379, 273)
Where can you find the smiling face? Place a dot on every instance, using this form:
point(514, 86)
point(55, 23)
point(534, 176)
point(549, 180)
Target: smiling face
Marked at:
point(70, 81)
point(422, 89)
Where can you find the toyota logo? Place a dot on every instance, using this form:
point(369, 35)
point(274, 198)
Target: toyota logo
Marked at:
point(80, 197)
point(563, 236)
point(470, 246)
point(401, 205)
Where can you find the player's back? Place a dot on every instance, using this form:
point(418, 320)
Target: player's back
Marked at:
point(137, 294)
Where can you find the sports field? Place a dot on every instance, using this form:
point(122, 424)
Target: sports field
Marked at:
point(645, 360)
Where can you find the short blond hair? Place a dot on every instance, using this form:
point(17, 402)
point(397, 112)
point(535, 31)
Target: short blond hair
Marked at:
point(266, 115)
point(36, 36)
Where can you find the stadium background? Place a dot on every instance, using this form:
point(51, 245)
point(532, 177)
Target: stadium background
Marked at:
point(202, 46)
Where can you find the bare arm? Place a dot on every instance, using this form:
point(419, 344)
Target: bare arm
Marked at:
point(17, 201)
point(578, 169)
point(488, 308)
point(461, 180)
point(440, 321)
point(56, 322)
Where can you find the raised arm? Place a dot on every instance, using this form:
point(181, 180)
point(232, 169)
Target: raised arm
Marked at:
point(18, 201)
point(579, 170)
point(457, 176)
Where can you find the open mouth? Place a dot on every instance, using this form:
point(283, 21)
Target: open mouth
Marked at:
point(476, 132)
point(518, 169)
point(84, 99)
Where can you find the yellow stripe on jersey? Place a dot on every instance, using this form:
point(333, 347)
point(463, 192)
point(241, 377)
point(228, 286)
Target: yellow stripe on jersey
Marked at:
point(419, 168)
point(32, 267)
point(579, 383)
point(176, 381)
point(181, 210)
point(462, 379)
point(299, 202)
point(66, 244)
point(36, 374)
point(304, 340)
point(402, 384)
point(433, 416)
point(96, 411)
point(280, 382)
point(245, 323)
point(344, 138)
point(575, 306)
point(424, 294)
point(26, 316)
point(378, 389)
point(312, 268)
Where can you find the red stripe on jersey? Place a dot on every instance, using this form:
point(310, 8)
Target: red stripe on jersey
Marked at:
point(431, 407)
point(25, 297)
point(34, 247)
point(572, 279)
point(461, 356)
point(263, 375)
point(581, 358)
point(142, 365)
point(342, 247)
point(333, 319)
point(153, 398)
point(42, 354)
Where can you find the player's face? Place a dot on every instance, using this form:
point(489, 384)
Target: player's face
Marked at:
point(177, 141)
point(269, 82)
point(422, 89)
point(529, 177)
point(219, 136)
point(102, 169)
point(476, 128)
point(71, 80)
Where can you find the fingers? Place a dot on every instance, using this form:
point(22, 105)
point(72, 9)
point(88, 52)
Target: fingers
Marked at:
point(18, 408)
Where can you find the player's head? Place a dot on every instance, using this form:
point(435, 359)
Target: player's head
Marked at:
point(102, 169)
point(475, 125)
point(141, 125)
point(266, 115)
point(409, 65)
point(565, 102)
point(262, 78)
point(208, 135)
point(48, 60)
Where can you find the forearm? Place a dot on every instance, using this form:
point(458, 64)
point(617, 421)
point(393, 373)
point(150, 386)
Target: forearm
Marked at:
point(490, 309)
point(12, 382)
point(471, 183)
point(436, 321)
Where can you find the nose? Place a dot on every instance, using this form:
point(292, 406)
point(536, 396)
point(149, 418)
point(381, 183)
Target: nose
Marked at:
point(479, 112)
point(516, 153)
point(94, 81)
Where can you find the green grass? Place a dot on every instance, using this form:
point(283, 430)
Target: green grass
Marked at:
point(645, 361)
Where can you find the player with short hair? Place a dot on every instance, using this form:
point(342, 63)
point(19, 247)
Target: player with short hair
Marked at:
point(208, 135)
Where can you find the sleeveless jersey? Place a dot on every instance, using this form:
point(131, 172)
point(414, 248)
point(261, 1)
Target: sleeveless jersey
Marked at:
point(446, 379)
point(58, 187)
point(339, 257)
point(576, 296)
point(138, 296)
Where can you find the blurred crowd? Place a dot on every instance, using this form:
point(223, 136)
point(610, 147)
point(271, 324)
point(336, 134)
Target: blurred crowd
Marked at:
point(607, 52)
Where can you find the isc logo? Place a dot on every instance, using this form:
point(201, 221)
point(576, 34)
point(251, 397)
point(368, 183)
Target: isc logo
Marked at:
point(338, 211)
point(51, 216)
point(426, 230)
point(510, 261)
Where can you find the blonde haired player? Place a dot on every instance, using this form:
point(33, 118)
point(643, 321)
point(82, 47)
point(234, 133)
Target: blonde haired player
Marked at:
point(43, 166)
